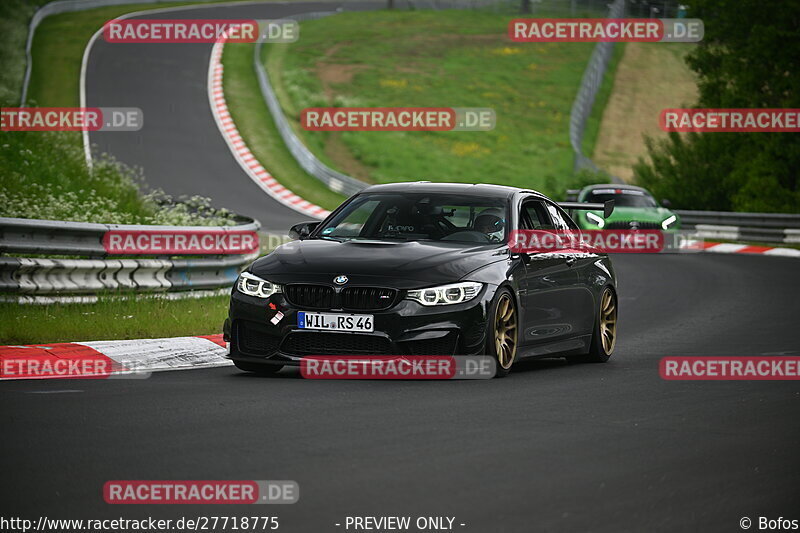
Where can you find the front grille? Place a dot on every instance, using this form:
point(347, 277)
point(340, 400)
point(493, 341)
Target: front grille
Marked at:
point(352, 298)
point(627, 224)
point(254, 339)
point(367, 298)
point(310, 296)
point(440, 346)
point(335, 344)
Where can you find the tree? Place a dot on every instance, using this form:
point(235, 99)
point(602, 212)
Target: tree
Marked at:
point(749, 58)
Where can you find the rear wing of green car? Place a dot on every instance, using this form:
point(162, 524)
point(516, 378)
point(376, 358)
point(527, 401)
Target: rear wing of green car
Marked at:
point(607, 207)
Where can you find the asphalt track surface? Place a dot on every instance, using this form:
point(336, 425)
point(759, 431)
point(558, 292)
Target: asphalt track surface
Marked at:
point(552, 447)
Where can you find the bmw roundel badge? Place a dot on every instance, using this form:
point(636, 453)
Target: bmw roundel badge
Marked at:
point(340, 280)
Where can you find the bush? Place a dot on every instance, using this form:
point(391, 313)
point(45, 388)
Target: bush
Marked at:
point(748, 59)
point(44, 175)
point(724, 171)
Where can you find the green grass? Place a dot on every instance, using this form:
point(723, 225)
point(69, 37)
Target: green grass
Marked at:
point(43, 175)
point(445, 58)
point(255, 124)
point(14, 17)
point(111, 318)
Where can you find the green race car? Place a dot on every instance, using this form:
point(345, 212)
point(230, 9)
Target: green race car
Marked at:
point(634, 208)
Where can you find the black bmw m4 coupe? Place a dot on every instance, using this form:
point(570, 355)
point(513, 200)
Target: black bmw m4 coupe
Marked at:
point(425, 269)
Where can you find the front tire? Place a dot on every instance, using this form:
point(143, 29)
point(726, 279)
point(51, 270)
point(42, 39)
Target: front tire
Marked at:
point(503, 325)
point(257, 368)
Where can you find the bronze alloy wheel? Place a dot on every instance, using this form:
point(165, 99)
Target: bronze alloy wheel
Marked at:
point(608, 321)
point(505, 331)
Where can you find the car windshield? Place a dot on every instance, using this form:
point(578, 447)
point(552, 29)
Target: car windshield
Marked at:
point(419, 217)
point(621, 197)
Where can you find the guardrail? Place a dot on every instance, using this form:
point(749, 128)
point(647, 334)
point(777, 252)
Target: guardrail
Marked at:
point(754, 227)
point(584, 100)
point(99, 269)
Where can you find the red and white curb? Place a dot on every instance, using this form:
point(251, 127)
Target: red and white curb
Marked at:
point(110, 358)
point(239, 149)
point(732, 248)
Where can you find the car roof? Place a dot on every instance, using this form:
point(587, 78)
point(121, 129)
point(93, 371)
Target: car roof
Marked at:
point(476, 189)
point(614, 186)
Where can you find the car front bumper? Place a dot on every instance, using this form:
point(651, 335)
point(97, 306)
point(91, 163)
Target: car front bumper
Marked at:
point(407, 328)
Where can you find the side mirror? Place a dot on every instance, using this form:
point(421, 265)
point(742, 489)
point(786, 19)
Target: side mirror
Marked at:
point(300, 231)
point(666, 203)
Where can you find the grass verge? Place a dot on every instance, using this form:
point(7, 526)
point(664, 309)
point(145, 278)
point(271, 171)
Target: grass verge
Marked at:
point(650, 77)
point(111, 318)
point(43, 175)
point(445, 58)
point(14, 17)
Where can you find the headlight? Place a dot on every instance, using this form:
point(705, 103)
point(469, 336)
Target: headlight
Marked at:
point(668, 221)
point(252, 285)
point(596, 219)
point(446, 294)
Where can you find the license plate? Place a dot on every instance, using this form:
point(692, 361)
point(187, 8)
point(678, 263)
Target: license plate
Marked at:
point(335, 322)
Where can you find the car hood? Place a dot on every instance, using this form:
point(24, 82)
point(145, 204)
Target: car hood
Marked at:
point(403, 265)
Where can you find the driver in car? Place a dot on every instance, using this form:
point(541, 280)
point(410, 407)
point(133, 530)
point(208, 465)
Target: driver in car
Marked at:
point(490, 222)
